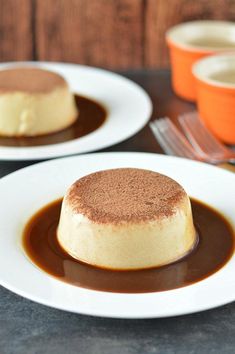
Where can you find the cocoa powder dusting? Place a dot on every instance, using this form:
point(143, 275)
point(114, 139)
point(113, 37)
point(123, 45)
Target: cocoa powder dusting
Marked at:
point(125, 195)
point(29, 79)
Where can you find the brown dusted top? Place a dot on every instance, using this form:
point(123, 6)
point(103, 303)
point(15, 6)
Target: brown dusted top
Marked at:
point(125, 195)
point(30, 80)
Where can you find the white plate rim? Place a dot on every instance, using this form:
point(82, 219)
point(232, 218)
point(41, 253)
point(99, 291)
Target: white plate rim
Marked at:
point(103, 137)
point(190, 299)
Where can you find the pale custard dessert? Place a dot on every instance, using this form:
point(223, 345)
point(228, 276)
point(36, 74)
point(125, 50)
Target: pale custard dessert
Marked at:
point(126, 219)
point(34, 102)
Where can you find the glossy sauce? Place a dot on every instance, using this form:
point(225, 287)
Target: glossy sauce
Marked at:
point(215, 247)
point(91, 116)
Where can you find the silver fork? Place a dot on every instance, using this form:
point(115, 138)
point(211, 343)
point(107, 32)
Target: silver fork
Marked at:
point(203, 141)
point(173, 142)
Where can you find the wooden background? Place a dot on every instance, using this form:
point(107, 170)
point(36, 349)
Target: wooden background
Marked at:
point(116, 34)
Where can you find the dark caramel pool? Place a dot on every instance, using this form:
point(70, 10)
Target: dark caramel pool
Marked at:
point(91, 116)
point(215, 247)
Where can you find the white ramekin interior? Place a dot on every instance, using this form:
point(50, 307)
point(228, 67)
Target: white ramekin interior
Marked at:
point(204, 68)
point(184, 33)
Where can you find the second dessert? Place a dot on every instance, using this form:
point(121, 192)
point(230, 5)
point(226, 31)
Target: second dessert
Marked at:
point(34, 102)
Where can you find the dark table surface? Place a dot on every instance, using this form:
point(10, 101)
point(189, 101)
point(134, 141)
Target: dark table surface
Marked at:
point(29, 328)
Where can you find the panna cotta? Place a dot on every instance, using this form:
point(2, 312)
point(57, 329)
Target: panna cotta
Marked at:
point(126, 218)
point(34, 101)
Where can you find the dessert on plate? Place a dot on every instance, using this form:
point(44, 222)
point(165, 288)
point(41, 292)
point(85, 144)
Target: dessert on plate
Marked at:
point(34, 101)
point(126, 218)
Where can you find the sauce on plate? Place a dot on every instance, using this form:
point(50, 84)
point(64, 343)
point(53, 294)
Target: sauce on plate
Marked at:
point(91, 116)
point(214, 249)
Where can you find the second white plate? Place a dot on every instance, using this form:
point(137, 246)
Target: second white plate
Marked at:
point(129, 108)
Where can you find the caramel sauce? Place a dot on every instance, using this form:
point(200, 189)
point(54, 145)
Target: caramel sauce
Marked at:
point(91, 116)
point(214, 249)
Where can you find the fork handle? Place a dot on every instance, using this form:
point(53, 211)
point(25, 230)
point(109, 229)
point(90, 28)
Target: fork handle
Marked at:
point(227, 166)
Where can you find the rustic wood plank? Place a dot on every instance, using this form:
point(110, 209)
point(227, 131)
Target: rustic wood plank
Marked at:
point(161, 15)
point(16, 33)
point(106, 33)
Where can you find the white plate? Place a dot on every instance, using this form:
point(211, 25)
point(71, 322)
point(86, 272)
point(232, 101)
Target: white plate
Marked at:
point(128, 105)
point(25, 191)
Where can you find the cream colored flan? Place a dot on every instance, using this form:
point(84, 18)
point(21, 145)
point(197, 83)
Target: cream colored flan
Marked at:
point(126, 219)
point(34, 101)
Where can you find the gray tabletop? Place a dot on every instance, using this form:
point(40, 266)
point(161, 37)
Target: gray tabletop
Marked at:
point(29, 328)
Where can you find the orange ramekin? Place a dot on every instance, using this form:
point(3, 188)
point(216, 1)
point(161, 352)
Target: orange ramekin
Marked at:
point(216, 97)
point(183, 53)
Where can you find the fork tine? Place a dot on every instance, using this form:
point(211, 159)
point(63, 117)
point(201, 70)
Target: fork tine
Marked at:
point(160, 138)
point(176, 139)
point(199, 136)
point(171, 140)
